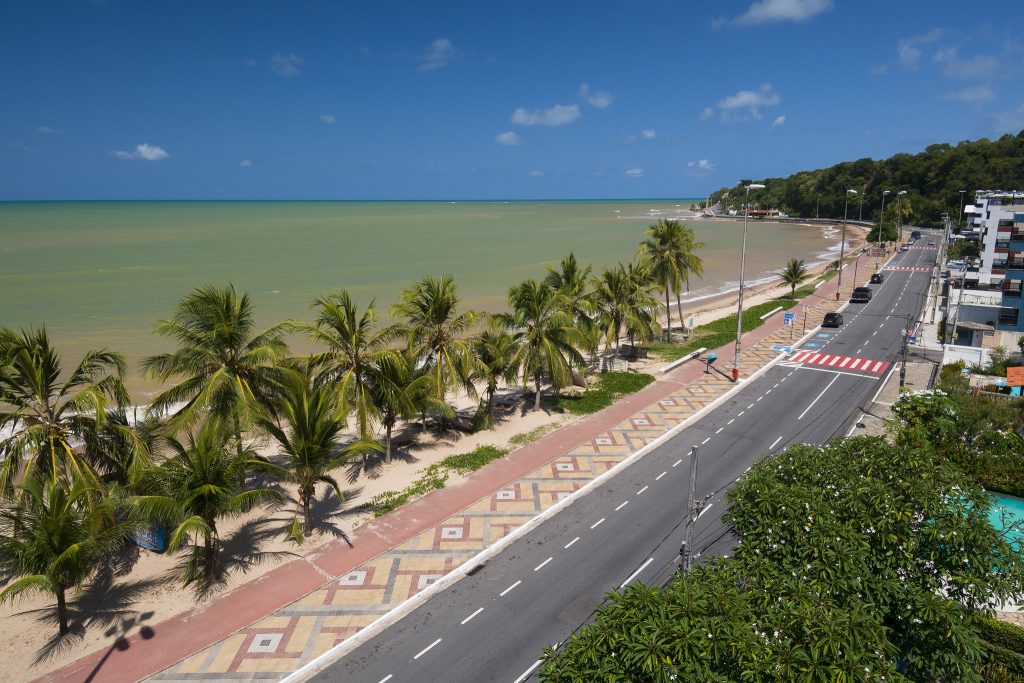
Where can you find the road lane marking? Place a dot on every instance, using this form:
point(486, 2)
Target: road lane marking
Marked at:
point(776, 385)
point(710, 505)
point(386, 678)
point(774, 443)
point(835, 359)
point(659, 476)
point(759, 398)
point(541, 565)
point(622, 505)
point(507, 590)
point(463, 622)
point(637, 572)
point(731, 421)
point(427, 649)
point(719, 430)
point(569, 544)
point(676, 463)
point(649, 486)
point(597, 523)
point(701, 443)
point(741, 413)
point(750, 406)
point(818, 397)
point(526, 674)
point(767, 392)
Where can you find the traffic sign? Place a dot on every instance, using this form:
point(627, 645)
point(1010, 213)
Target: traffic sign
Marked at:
point(787, 319)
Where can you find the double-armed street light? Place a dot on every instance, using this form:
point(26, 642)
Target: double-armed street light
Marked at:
point(842, 247)
point(743, 260)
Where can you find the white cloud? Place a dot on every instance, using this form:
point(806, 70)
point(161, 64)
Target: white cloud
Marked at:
point(507, 139)
point(22, 146)
point(365, 51)
point(702, 165)
point(329, 119)
point(144, 151)
point(778, 121)
point(648, 134)
point(558, 115)
point(745, 103)
point(598, 100)
point(245, 163)
point(766, 11)
point(437, 55)
point(1009, 121)
point(536, 174)
point(634, 172)
point(707, 113)
point(285, 64)
point(46, 130)
point(976, 93)
point(980, 66)
point(909, 50)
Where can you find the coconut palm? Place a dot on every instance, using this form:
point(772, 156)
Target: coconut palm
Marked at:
point(495, 352)
point(198, 486)
point(660, 253)
point(354, 342)
point(622, 298)
point(641, 318)
point(436, 331)
point(399, 391)
point(572, 280)
point(544, 334)
point(53, 423)
point(55, 537)
point(793, 274)
point(307, 424)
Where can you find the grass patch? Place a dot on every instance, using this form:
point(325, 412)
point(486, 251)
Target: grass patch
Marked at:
point(526, 438)
point(609, 386)
point(435, 477)
point(718, 332)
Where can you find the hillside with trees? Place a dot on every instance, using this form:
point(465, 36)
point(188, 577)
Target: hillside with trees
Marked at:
point(933, 180)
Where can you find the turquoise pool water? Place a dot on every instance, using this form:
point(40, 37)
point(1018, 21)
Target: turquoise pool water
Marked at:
point(1014, 509)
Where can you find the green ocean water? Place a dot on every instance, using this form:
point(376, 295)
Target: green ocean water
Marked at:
point(101, 273)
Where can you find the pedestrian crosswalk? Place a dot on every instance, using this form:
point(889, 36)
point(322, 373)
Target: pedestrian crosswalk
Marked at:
point(917, 268)
point(837, 362)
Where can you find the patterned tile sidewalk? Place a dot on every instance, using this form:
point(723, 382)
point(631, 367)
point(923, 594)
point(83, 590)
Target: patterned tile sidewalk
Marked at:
point(348, 590)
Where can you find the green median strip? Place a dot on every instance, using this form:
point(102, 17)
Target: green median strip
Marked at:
point(719, 332)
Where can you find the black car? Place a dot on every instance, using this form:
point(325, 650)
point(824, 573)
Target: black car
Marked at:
point(861, 295)
point(833, 319)
point(877, 279)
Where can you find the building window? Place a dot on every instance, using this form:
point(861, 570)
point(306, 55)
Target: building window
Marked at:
point(1008, 316)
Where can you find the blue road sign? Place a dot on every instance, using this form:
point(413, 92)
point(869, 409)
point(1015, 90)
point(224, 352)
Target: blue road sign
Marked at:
point(783, 348)
point(787, 319)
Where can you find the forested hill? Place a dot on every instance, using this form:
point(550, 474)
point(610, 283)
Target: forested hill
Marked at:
point(933, 180)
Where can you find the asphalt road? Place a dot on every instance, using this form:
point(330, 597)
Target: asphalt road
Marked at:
point(492, 625)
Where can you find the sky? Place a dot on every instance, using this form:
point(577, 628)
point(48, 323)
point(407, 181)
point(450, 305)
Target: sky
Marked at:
point(422, 99)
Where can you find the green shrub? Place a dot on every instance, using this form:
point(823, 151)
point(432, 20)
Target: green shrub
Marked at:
point(609, 387)
point(622, 383)
point(1002, 633)
point(465, 463)
point(719, 332)
point(520, 440)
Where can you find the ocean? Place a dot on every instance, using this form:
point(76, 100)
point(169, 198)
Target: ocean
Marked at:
point(100, 274)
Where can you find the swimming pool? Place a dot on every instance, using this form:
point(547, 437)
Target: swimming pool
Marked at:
point(1014, 507)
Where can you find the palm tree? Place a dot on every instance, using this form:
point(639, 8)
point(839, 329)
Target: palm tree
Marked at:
point(793, 274)
point(313, 417)
point(199, 485)
point(689, 262)
point(54, 425)
point(229, 370)
point(354, 344)
point(495, 352)
point(54, 538)
point(572, 280)
point(660, 252)
point(399, 391)
point(611, 292)
point(435, 332)
point(544, 334)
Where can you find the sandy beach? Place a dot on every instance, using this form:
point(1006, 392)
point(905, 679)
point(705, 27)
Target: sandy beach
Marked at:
point(141, 588)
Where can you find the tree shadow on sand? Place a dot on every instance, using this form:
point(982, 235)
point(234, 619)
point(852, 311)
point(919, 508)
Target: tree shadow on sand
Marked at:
point(403, 447)
point(326, 512)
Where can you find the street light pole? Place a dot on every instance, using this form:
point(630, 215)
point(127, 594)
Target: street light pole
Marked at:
point(743, 261)
point(960, 218)
point(899, 211)
point(842, 247)
point(881, 217)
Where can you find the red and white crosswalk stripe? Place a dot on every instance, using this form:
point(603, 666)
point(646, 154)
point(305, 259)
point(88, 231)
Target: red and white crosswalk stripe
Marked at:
point(916, 268)
point(839, 362)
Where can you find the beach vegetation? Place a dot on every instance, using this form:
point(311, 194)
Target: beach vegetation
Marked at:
point(793, 274)
point(607, 388)
point(572, 280)
point(544, 334)
point(56, 421)
point(718, 332)
point(496, 361)
point(55, 536)
point(399, 391)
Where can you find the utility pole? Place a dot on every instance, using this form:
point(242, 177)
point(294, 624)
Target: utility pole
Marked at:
point(693, 509)
point(903, 365)
point(805, 321)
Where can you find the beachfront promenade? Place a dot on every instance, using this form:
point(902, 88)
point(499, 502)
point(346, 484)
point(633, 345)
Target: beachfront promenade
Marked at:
point(284, 619)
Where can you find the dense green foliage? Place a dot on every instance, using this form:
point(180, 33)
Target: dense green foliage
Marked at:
point(719, 332)
point(857, 561)
point(932, 178)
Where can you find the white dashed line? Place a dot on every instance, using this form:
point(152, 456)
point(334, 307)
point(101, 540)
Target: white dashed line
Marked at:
point(741, 413)
point(637, 572)
point(541, 565)
point(676, 463)
point(509, 589)
point(386, 678)
point(759, 398)
point(775, 443)
point(570, 543)
point(463, 622)
point(750, 406)
point(659, 476)
point(427, 649)
point(649, 486)
point(526, 674)
point(767, 392)
point(719, 430)
point(701, 443)
point(622, 505)
point(597, 523)
point(731, 421)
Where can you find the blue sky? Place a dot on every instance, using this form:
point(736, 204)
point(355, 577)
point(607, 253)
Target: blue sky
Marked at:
point(140, 99)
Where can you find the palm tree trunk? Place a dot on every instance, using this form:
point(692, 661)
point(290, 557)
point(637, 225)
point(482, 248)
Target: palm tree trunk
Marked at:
point(490, 406)
point(668, 313)
point(210, 546)
point(62, 610)
point(679, 306)
point(305, 493)
point(387, 442)
point(536, 397)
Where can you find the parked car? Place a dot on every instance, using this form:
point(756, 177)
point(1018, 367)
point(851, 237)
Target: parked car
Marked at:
point(931, 243)
point(877, 279)
point(833, 319)
point(861, 295)
point(903, 247)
